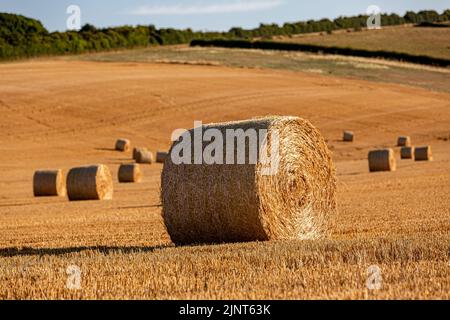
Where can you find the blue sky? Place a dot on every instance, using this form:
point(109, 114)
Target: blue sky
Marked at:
point(203, 14)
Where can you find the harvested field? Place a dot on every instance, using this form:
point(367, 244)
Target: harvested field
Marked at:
point(65, 113)
point(407, 39)
point(335, 65)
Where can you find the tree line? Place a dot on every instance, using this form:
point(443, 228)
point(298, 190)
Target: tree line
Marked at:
point(22, 37)
point(327, 25)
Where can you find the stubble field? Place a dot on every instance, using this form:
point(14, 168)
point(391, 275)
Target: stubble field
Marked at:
point(64, 113)
point(409, 39)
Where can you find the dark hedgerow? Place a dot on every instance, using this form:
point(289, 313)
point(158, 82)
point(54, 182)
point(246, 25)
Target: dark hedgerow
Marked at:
point(285, 46)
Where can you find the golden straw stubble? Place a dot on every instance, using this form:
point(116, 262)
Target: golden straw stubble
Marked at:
point(130, 173)
point(423, 153)
point(90, 183)
point(215, 203)
point(48, 183)
point(123, 145)
point(382, 160)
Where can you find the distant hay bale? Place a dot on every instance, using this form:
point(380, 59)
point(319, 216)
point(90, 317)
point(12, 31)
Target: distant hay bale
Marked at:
point(404, 141)
point(423, 154)
point(123, 145)
point(90, 183)
point(216, 203)
point(49, 183)
point(144, 157)
point(161, 156)
point(130, 173)
point(136, 150)
point(382, 160)
point(349, 136)
point(407, 153)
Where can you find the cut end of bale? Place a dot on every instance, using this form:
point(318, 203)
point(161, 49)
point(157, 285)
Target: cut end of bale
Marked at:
point(49, 183)
point(382, 160)
point(424, 154)
point(161, 156)
point(136, 150)
point(407, 153)
point(144, 157)
point(123, 145)
point(130, 173)
point(404, 141)
point(90, 183)
point(349, 136)
point(217, 203)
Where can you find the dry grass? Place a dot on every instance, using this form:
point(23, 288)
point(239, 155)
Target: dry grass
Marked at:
point(407, 39)
point(360, 68)
point(396, 220)
point(410, 268)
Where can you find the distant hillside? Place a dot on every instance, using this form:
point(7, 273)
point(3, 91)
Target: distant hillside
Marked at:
point(22, 37)
point(432, 41)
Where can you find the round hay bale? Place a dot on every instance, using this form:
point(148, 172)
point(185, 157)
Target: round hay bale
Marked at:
point(136, 150)
point(161, 156)
point(407, 153)
point(90, 183)
point(349, 136)
point(130, 173)
point(144, 157)
point(404, 141)
point(382, 160)
point(423, 154)
point(49, 183)
point(216, 203)
point(123, 145)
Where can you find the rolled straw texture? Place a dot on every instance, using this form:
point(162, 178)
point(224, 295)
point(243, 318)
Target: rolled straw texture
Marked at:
point(215, 203)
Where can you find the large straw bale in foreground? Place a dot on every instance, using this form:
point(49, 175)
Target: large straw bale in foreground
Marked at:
point(424, 154)
point(48, 183)
point(123, 145)
point(382, 160)
point(236, 202)
point(90, 183)
point(130, 173)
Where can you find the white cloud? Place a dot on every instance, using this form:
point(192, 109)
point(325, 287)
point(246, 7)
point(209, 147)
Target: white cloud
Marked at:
point(197, 9)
